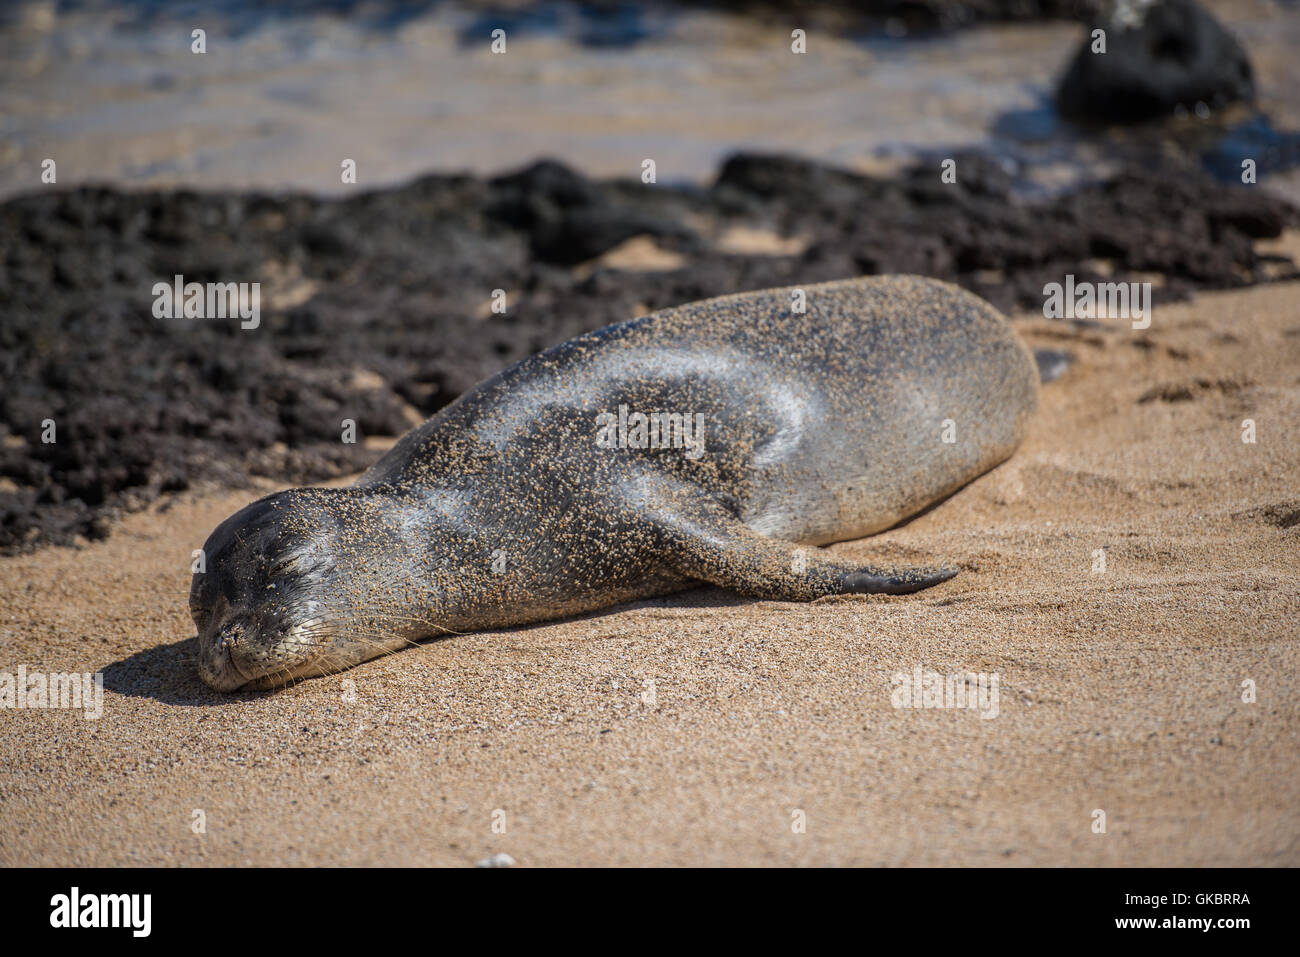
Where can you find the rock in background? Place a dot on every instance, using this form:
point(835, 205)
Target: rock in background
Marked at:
point(1160, 55)
point(376, 308)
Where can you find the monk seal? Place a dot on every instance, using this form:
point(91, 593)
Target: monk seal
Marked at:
point(704, 443)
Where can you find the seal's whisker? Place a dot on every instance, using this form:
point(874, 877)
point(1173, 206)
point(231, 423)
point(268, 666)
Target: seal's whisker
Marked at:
point(370, 640)
point(313, 636)
point(365, 638)
point(378, 616)
point(388, 616)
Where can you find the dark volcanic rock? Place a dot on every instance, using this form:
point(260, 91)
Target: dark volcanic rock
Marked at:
point(376, 308)
point(1157, 58)
point(568, 218)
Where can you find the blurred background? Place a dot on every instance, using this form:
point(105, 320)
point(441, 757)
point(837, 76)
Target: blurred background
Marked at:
point(285, 90)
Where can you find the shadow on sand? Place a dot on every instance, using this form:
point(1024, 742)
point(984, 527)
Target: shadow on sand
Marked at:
point(167, 673)
point(170, 673)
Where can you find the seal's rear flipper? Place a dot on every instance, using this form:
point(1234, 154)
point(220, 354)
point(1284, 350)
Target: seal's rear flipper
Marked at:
point(714, 546)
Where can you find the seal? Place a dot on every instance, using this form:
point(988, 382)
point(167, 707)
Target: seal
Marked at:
point(713, 442)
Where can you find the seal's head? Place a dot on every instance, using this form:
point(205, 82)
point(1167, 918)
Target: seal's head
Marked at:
point(280, 588)
point(253, 592)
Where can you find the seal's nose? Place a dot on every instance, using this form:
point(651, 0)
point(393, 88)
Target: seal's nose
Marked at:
point(217, 664)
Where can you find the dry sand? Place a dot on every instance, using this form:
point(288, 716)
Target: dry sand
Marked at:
point(1119, 691)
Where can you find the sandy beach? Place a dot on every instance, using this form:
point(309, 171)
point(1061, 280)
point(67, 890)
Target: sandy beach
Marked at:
point(691, 729)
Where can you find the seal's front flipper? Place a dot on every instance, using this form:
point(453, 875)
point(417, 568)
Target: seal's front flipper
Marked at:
point(897, 581)
point(714, 546)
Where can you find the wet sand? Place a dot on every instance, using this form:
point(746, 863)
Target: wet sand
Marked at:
point(1119, 691)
